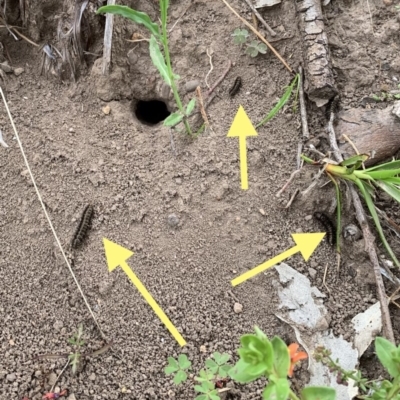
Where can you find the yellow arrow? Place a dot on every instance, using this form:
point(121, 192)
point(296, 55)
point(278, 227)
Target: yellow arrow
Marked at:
point(306, 243)
point(242, 127)
point(117, 255)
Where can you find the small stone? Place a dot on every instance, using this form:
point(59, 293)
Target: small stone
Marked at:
point(18, 71)
point(203, 349)
point(173, 220)
point(38, 373)
point(12, 343)
point(190, 86)
point(237, 308)
point(106, 110)
point(132, 57)
point(312, 272)
point(52, 379)
point(92, 376)
point(71, 130)
point(262, 212)
point(58, 325)
point(5, 67)
point(308, 217)
point(11, 377)
point(178, 181)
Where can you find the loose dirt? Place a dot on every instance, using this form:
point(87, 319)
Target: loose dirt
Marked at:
point(176, 202)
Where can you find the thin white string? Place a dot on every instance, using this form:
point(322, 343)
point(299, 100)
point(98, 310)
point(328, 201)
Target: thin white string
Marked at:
point(47, 216)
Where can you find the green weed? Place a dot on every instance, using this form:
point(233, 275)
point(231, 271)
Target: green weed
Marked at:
point(161, 61)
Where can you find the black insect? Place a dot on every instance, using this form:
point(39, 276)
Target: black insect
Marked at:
point(83, 227)
point(329, 226)
point(236, 86)
point(332, 107)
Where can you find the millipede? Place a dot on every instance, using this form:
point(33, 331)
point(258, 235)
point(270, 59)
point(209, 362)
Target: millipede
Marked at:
point(236, 86)
point(329, 226)
point(332, 107)
point(83, 227)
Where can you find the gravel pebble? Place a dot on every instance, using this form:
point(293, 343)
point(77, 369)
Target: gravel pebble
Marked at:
point(190, 86)
point(237, 308)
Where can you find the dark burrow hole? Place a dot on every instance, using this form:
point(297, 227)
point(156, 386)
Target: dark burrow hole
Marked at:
point(151, 112)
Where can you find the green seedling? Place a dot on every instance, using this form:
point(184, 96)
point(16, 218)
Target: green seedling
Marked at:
point(283, 100)
point(240, 36)
point(207, 390)
point(161, 61)
point(255, 47)
point(178, 368)
point(385, 96)
point(219, 366)
point(75, 357)
point(384, 177)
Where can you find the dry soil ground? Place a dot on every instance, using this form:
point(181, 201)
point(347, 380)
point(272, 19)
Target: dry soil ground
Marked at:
point(179, 208)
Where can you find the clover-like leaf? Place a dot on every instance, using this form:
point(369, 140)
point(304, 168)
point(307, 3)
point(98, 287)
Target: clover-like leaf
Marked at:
point(180, 377)
point(183, 361)
point(190, 106)
point(240, 36)
point(173, 119)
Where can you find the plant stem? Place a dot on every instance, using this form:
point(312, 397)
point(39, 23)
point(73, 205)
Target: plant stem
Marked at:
point(292, 396)
point(169, 66)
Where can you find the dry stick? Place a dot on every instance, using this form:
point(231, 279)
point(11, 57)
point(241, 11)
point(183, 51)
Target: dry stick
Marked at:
point(260, 18)
point(59, 376)
point(108, 40)
point(221, 78)
point(24, 37)
point(47, 215)
point(211, 67)
point(293, 174)
point(303, 111)
point(369, 242)
point(260, 36)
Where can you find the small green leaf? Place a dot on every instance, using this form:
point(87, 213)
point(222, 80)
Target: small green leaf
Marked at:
point(180, 377)
point(190, 107)
point(390, 189)
point(158, 60)
point(262, 48)
point(389, 165)
point(202, 397)
point(223, 359)
point(281, 357)
point(135, 16)
point(318, 393)
point(252, 49)
point(212, 365)
point(168, 370)
point(278, 390)
point(200, 389)
point(214, 396)
point(241, 373)
point(386, 351)
point(183, 361)
point(240, 36)
point(224, 370)
point(173, 119)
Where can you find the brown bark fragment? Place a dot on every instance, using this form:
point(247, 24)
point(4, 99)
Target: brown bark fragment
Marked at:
point(369, 130)
point(319, 80)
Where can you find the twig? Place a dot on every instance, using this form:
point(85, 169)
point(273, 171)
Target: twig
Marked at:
point(369, 241)
point(211, 68)
point(289, 203)
point(299, 161)
point(303, 111)
point(108, 31)
point(293, 174)
point(201, 103)
point(221, 78)
point(47, 215)
point(324, 280)
point(59, 375)
point(314, 182)
point(24, 37)
point(260, 36)
point(260, 18)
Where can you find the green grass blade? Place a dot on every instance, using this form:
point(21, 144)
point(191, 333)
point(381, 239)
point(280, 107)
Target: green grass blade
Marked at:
point(138, 17)
point(158, 60)
point(395, 180)
point(282, 101)
point(374, 215)
point(389, 165)
point(390, 189)
point(354, 160)
point(387, 173)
